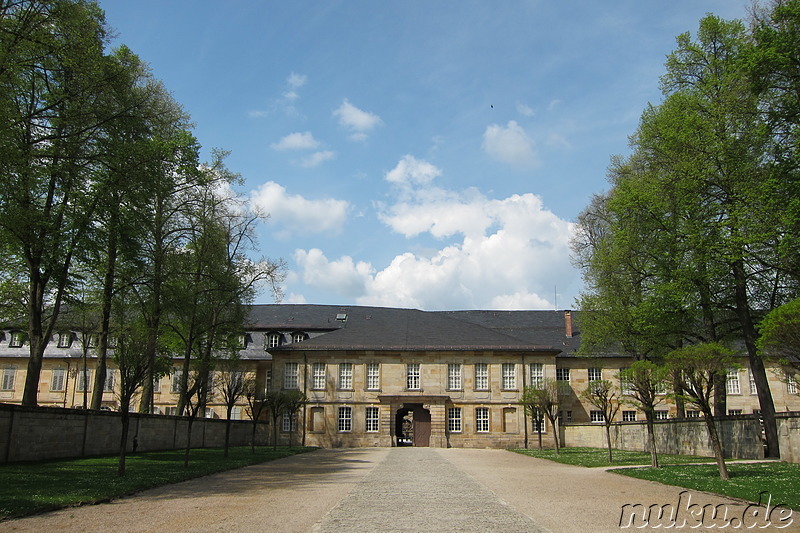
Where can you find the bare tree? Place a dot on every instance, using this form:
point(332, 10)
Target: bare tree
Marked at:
point(603, 395)
point(644, 383)
point(231, 383)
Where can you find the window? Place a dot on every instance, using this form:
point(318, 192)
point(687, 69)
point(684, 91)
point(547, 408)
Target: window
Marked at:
point(628, 416)
point(268, 380)
point(569, 416)
point(345, 375)
point(289, 422)
point(210, 413)
point(318, 376)
point(64, 340)
point(662, 414)
point(108, 385)
point(345, 419)
point(481, 376)
point(454, 376)
point(791, 384)
point(177, 375)
point(236, 413)
point(454, 420)
point(538, 425)
point(372, 423)
point(298, 336)
point(273, 340)
point(57, 381)
point(412, 376)
point(290, 376)
point(373, 376)
point(562, 374)
point(732, 383)
point(734, 412)
point(509, 376)
point(171, 411)
point(753, 388)
point(596, 416)
point(8, 378)
point(692, 413)
point(91, 340)
point(595, 374)
point(316, 420)
point(537, 374)
point(17, 339)
point(84, 380)
point(482, 419)
point(625, 384)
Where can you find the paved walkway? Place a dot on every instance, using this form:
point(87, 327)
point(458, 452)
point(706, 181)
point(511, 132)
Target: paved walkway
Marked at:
point(383, 490)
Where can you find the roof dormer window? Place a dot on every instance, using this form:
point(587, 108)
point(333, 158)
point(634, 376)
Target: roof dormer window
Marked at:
point(17, 339)
point(64, 339)
point(298, 336)
point(273, 340)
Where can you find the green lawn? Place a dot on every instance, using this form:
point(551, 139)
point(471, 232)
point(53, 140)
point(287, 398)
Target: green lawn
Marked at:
point(748, 480)
point(594, 457)
point(28, 488)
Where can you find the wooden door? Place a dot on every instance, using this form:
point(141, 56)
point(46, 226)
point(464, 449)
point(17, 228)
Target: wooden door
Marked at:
point(422, 427)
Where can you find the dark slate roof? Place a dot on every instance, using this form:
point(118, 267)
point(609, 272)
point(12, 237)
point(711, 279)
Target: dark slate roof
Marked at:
point(382, 328)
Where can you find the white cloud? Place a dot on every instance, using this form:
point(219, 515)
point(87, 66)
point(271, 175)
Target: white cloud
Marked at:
point(296, 141)
point(292, 214)
point(496, 253)
point(524, 110)
point(412, 171)
point(295, 81)
point(509, 144)
point(359, 122)
point(317, 158)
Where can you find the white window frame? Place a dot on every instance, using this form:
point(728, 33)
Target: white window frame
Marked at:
point(373, 376)
point(454, 376)
point(481, 376)
point(735, 412)
point(594, 373)
point(9, 375)
point(64, 339)
point(345, 419)
point(345, 376)
point(318, 376)
point(84, 380)
point(290, 375)
point(413, 381)
point(752, 378)
point(536, 374)
point(661, 414)
point(108, 384)
point(175, 385)
point(482, 419)
point(298, 336)
point(692, 413)
point(371, 419)
point(732, 382)
point(289, 422)
point(629, 416)
point(273, 340)
point(509, 376)
point(596, 416)
point(562, 374)
point(791, 384)
point(17, 339)
point(454, 424)
point(58, 379)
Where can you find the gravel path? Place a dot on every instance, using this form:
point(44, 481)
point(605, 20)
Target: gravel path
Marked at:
point(382, 490)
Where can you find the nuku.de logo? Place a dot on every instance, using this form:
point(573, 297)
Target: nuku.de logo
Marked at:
point(686, 514)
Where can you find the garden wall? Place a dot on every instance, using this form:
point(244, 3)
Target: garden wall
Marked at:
point(740, 436)
point(36, 433)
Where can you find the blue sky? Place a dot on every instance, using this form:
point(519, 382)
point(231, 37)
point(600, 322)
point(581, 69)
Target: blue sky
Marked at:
point(414, 153)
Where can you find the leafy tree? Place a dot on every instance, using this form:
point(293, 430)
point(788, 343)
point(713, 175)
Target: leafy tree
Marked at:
point(232, 384)
point(780, 335)
point(530, 405)
point(603, 395)
point(644, 383)
point(256, 405)
point(700, 366)
point(276, 403)
point(545, 398)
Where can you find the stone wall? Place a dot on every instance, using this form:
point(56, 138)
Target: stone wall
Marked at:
point(741, 436)
point(36, 433)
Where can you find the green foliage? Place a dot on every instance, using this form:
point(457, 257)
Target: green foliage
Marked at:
point(598, 457)
point(780, 335)
point(28, 488)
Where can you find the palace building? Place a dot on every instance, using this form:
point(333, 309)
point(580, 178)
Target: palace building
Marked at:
point(378, 376)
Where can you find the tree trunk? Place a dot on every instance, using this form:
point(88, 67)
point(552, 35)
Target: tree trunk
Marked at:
point(123, 444)
point(188, 442)
point(227, 431)
point(651, 439)
point(105, 323)
point(253, 439)
point(716, 446)
point(608, 442)
point(756, 363)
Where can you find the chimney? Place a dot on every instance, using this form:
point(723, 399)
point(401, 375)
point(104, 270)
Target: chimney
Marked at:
point(568, 322)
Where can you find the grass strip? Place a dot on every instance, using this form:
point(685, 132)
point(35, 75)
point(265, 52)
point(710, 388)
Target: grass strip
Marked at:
point(34, 487)
point(780, 480)
point(597, 457)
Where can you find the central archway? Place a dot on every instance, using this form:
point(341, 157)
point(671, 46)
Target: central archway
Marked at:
point(413, 425)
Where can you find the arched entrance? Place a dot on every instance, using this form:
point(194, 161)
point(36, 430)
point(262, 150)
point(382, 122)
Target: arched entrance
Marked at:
point(412, 425)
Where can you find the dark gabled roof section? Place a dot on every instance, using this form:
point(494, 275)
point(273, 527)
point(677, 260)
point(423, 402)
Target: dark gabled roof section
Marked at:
point(386, 329)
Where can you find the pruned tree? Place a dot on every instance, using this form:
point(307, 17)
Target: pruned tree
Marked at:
point(256, 405)
point(275, 402)
point(603, 395)
point(294, 401)
point(700, 366)
point(530, 405)
point(545, 398)
point(231, 381)
point(644, 385)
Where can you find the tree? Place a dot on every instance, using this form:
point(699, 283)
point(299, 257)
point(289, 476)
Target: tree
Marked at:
point(700, 366)
point(780, 334)
point(256, 406)
point(545, 398)
point(530, 405)
point(276, 405)
point(603, 395)
point(644, 383)
point(232, 384)
point(294, 401)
